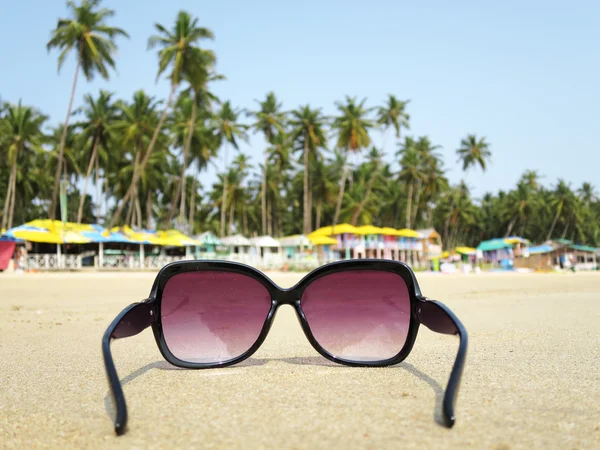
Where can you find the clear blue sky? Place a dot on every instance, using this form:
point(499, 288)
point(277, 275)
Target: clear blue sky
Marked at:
point(523, 74)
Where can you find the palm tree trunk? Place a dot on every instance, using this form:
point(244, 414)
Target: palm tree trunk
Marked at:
point(63, 138)
point(186, 150)
point(129, 216)
point(137, 174)
point(98, 187)
point(566, 230)
point(511, 225)
point(270, 218)
point(417, 199)
point(87, 179)
point(138, 212)
point(365, 199)
point(447, 222)
point(174, 202)
point(231, 217)
point(429, 216)
point(8, 198)
point(409, 203)
point(245, 219)
point(192, 211)
point(224, 197)
point(105, 197)
point(558, 210)
point(319, 211)
point(263, 206)
point(148, 210)
point(306, 210)
point(12, 195)
point(338, 205)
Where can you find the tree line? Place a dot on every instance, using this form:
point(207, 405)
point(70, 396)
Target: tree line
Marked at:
point(145, 157)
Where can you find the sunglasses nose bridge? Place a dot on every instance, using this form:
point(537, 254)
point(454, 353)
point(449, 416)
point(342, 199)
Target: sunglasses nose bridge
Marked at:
point(285, 297)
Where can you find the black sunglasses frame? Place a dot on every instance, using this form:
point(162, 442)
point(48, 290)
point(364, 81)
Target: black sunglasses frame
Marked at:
point(139, 316)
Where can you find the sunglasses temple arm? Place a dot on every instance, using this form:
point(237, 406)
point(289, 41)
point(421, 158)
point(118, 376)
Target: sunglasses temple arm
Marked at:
point(132, 320)
point(437, 317)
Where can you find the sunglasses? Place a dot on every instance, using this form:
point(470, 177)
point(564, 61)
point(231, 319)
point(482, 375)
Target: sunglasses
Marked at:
point(208, 314)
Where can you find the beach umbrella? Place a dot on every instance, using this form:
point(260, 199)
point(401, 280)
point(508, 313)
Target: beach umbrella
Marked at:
point(34, 234)
point(387, 231)
point(465, 250)
point(175, 238)
point(342, 228)
point(322, 240)
point(407, 232)
point(368, 230)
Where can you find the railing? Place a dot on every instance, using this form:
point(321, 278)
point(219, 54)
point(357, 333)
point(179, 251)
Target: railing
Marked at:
point(51, 261)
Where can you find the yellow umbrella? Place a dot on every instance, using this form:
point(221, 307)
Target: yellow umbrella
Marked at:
point(58, 225)
point(338, 229)
point(465, 250)
point(368, 229)
point(407, 232)
point(44, 236)
point(389, 231)
point(322, 240)
point(73, 237)
point(176, 238)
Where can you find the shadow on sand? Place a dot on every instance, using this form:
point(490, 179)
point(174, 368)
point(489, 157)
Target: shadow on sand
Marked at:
point(301, 361)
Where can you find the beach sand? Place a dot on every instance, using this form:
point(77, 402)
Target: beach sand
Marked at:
point(532, 378)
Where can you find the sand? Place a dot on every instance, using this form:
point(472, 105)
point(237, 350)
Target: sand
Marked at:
point(532, 378)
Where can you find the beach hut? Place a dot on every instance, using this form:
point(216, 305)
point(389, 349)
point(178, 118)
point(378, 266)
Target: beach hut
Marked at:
point(238, 246)
point(295, 246)
point(585, 257)
point(539, 257)
point(497, 251)
point(267, 251)
point(208, 247)
point(430, 244)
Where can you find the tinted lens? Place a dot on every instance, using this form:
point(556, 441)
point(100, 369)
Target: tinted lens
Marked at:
point(358, 315)
point(211, 317)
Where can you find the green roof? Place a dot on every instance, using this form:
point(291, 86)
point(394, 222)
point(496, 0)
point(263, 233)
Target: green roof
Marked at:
point(493, 244)
point(563, 241)
point(584, 248)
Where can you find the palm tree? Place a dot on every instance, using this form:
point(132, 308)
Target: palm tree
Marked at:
point(410, 172)
point(179, 52)
point(562, 198)
point(21, 137)
point(87, 33)
point(428, 159)
point(136, 125)
point(474, 152)
point(324, 187)
point(229, 131)
point(200, 141)
point(269, 119)
point(393, 114)
point(278, 175)
point(587, 193)
point(198, 80)
point(373, 166)
point(308, 135)
point(97, 131)
point(352, 128)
